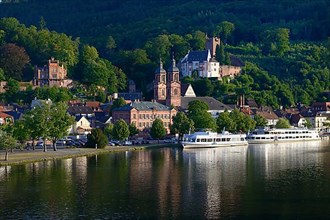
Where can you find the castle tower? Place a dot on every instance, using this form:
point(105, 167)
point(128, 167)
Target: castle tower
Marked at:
point(211, 44)
point(173, 86)
point(160, 84)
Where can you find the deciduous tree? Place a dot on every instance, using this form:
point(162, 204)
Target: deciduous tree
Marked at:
point(157, 130)
point(181, 125)
point(97, 139)
point(120, 130)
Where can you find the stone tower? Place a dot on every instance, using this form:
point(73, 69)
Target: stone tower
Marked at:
point(173, 86)
point(160, 84)
point(211, 44)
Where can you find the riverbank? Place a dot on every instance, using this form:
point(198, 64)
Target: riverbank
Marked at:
point(29, 156)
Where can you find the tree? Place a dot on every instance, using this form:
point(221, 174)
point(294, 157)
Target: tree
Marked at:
point(157, 130)
point(7, 142)
point(220, 53)
point(282, 123)
point(20, 132)
point(13, 59)
point(308, 123)
point(197, 111)
point(60, 122)
point(203, 87)
point(118, 103)
point(97, 139)
point(224, 121)
point(197, 105)
point(181, 125)
point(132, 130)
point(224, 30)
point(108, 130)
point(120, 130)
point(260, 121)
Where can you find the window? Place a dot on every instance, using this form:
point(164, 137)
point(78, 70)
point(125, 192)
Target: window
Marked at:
point(175, 91)
point(134, 116)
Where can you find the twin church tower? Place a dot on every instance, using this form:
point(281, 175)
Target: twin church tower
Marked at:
point(167, 86)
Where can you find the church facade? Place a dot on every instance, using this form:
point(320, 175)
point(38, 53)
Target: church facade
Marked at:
point(167, 86)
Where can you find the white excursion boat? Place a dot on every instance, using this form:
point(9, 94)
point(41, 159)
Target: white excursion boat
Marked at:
point(208, 139)
point(267, 135)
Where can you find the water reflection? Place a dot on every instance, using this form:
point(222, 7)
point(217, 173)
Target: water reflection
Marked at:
point(266, 181)
point(220, 172)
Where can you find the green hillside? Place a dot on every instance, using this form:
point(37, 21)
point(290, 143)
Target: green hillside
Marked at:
point(284, 43)
point(132, 22)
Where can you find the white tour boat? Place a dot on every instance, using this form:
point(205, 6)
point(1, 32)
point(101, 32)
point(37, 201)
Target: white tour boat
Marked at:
point(208, 139)
point(267, 135)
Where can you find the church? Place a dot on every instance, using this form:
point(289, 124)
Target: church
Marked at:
point(167, 85)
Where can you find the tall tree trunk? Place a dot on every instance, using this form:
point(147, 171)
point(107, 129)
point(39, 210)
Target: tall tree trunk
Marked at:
point(54, 145)
point(45, 146)
point(33, 145)
point(6, 156)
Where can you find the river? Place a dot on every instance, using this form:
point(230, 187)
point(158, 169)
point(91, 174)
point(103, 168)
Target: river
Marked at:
point(283, 181)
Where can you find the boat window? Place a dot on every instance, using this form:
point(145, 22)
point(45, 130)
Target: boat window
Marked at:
point(228, 139)
point(223, 139)
point(218, 139)
point(209, 140)
point(242, 139)
point(198, 140)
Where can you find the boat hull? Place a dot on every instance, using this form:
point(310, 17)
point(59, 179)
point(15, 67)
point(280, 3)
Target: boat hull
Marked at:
point(212, 145)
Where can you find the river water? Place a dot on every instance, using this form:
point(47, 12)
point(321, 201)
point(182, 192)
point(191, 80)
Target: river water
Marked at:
point(283, 181)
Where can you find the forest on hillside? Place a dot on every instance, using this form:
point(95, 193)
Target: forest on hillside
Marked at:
point(284, 44)
point(132, 22)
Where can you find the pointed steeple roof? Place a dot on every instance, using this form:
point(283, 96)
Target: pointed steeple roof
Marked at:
point(160, 69)
point(173, 67)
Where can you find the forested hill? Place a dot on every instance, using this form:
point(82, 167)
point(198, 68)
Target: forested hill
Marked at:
point(132, 22)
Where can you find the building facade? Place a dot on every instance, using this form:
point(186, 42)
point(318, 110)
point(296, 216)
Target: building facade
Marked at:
point(142, 114)
point(52, 74)
point(167, 85)
point(200, 62)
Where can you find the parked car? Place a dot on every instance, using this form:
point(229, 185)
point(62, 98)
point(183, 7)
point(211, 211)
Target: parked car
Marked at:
point(128, 143)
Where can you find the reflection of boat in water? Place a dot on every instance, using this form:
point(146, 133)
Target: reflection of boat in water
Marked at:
point(266, 135)
point(208, 139)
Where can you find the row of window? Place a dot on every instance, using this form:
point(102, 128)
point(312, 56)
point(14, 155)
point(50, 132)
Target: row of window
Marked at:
point(150, 116)
point(149, 124)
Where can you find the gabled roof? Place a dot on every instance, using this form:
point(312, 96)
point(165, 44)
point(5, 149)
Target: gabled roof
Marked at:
point(143, 106)
point(4, 115)
point(269, 115)
point(235, 61)
point(93, 104)
point(15, 114)
point(295, 118)
point(73, 110)
point(210, 101)
point(130, 96)
point(198, 56)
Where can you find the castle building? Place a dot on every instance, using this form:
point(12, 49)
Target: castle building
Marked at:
point(50, 75)
point(167, 86)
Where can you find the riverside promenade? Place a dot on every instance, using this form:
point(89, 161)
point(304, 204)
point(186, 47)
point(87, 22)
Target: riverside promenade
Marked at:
point(29, 156)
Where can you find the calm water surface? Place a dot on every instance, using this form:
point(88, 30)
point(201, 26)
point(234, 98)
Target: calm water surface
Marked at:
point(284, 181)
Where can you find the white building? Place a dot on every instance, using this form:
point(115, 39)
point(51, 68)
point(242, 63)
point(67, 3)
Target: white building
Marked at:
point(201, 61)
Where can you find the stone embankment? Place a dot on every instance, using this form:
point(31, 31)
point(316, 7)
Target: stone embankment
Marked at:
point(29, 156)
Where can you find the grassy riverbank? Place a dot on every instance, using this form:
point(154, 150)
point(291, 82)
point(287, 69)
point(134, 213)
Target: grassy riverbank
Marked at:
point(29, 156)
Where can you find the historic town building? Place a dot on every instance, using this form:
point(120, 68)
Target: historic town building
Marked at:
point(52, 74)
point(167, 85)
point(142, 114)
